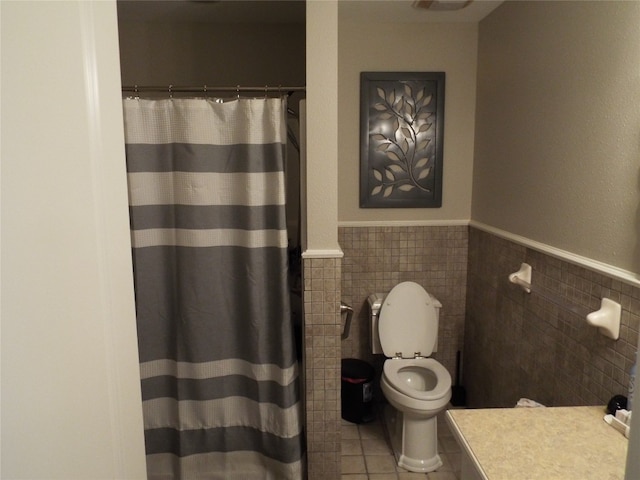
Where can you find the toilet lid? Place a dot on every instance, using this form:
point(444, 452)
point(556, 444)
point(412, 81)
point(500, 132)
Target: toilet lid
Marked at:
point(407, 322)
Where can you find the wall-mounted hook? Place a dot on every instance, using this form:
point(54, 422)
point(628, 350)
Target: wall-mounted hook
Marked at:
point(522, 277)
point(607, 319)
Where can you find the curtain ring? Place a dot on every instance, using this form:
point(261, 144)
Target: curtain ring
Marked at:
point(170, 91)
point(204, 89)
point(238, 91)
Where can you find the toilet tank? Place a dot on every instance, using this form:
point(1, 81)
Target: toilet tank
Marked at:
point(375, 304)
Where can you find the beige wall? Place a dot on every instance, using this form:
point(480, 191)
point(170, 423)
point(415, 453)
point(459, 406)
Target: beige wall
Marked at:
point(71, 405)
point(389, 47)
point(557, 127)
point(322, 129)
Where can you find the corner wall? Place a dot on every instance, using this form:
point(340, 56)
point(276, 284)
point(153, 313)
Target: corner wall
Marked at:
point(322, 257)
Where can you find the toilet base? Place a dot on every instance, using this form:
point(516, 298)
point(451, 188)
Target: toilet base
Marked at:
point(414, 441)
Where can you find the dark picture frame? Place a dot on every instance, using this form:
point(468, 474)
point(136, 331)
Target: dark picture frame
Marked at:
point(401, 139)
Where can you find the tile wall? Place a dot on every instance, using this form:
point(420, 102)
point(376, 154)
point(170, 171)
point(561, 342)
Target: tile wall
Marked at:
point(515, 344)
point(378, 258)
point(539, 345)
point(322, 366)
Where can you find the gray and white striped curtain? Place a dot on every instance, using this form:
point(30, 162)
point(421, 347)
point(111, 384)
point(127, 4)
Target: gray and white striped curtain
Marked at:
point(218, 366)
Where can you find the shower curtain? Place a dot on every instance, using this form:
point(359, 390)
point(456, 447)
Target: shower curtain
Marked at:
point(217, 360)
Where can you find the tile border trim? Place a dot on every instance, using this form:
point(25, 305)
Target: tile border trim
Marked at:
point(311, 253)
point(625, 276)
point(404, 223)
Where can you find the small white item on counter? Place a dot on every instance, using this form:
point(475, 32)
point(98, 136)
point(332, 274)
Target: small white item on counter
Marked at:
point(525, 402)
point(617, 424)
point(624, 416)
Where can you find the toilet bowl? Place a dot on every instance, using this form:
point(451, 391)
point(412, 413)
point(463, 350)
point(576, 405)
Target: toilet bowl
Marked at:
point(404, 328)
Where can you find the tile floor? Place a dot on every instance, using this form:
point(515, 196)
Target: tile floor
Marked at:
point(366, 454)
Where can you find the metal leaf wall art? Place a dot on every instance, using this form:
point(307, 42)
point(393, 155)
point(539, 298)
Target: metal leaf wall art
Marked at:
point(401, 139)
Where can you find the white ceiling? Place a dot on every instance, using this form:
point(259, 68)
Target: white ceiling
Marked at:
point(292, 11)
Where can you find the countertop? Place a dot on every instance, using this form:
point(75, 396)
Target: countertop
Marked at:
point(562, 443)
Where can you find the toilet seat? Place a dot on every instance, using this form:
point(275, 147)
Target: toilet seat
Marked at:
point(392, 370)
point(408, 325)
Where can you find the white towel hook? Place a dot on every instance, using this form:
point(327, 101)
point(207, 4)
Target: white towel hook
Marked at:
point(522, 277)
point(607, 319)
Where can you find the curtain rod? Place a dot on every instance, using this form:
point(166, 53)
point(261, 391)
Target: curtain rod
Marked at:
point(206, 88)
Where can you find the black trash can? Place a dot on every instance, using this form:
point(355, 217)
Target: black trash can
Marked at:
point(357, 390)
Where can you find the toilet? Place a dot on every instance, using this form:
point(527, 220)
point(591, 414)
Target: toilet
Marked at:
point(404, 327)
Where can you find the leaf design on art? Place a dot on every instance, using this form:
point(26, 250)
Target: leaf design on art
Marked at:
point(389, 174)
point(408, 109)
point(422, 162)
point(423, 144)
point(424, 173)
point(406, 130)
point(393, 156)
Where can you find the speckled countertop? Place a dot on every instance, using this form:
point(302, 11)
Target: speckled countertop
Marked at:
point(557, 443)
